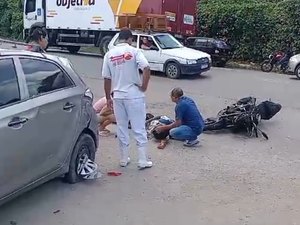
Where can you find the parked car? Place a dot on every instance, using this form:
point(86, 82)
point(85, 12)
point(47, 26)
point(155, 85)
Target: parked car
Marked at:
point(294, 65)
point(165, 54)
point(218, 49)
point(48, 126)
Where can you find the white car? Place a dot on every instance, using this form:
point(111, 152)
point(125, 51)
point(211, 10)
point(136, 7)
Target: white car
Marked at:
point(166, 54)
point(294, 65)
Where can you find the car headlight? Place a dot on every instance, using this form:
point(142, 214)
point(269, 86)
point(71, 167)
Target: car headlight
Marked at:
point(191, 61)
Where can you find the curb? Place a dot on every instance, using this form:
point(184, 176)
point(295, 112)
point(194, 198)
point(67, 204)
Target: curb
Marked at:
point(51, 49)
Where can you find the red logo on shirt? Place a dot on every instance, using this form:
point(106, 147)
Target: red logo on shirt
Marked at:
point(120, 59)
point(128, 56)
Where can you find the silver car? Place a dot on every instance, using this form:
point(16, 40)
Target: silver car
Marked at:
point(294, 65)
point(48, 126)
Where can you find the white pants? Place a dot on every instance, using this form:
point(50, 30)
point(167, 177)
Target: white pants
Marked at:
point(133, 110)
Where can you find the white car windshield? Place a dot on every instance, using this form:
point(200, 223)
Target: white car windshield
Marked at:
point(166, 41)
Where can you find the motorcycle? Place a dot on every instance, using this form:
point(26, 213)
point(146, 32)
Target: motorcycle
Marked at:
point(278, 59)
point(243, 115)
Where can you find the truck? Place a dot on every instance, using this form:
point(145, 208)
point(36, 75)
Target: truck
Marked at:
point(73, 24)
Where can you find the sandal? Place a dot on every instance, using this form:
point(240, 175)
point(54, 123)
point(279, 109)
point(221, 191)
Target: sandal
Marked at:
point(162, 144)
point(104, 133)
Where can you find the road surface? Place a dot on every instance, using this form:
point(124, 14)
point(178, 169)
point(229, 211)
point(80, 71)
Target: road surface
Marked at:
point(228, 179)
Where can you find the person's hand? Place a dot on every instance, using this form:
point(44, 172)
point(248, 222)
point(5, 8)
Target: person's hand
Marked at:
point(160, 129)
point(109, 104)
point(143, 88)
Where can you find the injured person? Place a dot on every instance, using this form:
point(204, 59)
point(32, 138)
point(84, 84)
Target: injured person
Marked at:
point(105, 116)
point(188, 124)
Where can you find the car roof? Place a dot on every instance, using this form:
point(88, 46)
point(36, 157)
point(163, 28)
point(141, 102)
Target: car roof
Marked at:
point(10, 52)
point(148, 34)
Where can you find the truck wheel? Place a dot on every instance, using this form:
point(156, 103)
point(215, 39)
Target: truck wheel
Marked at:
point(173, 70)
point(73, 49)
point(104, 44)
point(85, 147)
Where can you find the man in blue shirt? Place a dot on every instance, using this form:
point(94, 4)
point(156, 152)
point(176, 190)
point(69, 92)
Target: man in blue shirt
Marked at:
point(188, 123)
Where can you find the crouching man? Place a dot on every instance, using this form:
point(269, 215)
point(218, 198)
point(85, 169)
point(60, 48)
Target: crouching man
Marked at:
point(188, 124)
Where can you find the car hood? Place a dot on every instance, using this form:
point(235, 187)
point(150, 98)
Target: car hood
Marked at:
point(185, 53)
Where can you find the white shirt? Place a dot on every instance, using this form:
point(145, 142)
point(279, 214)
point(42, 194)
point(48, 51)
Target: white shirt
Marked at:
point(121, 64)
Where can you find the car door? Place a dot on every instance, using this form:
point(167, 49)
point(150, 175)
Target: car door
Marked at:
point(58, 103)
point(17, 131)
point(201, 45)
point(152, 53)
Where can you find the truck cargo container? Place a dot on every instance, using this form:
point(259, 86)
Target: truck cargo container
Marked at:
point(181, 15)
point(76, 23)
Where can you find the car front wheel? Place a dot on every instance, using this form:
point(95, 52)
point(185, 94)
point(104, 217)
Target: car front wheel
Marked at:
point(173, 70)
point(297, 72)
point(84, 149)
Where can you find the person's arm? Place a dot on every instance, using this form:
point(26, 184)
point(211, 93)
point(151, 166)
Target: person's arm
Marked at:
point(106, 74)
point(179, 112)
point(175, 124)
point(144, 65)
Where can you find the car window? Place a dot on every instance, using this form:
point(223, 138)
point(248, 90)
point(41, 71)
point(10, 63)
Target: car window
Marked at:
point(9, 86)
point(166, 41)
point(43, 76)
point(201, 43)
point(147, 43)
point(134, 41)
point(30, 6)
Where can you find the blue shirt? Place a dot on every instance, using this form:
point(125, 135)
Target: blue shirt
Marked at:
point(186, 110)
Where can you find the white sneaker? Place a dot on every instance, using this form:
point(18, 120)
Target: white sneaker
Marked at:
point(146, 165)
point(124, 163)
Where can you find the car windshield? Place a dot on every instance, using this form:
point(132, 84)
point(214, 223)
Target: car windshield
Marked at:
point(167, 41)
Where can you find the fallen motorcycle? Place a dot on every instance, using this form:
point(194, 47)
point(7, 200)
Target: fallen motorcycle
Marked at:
point(245, 115)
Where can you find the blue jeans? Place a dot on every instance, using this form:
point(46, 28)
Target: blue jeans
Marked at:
point(183, 133)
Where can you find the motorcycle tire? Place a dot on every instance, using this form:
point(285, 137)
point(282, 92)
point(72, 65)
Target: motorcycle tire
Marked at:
point(269, 66)
point(217, 125)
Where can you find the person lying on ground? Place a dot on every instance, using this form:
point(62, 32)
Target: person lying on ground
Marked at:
point(105, 116)
point(188, 124)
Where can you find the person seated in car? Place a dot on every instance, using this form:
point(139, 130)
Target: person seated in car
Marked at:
point(105, 116)
point(146, 44)
point(188, 124)
point(39, 41)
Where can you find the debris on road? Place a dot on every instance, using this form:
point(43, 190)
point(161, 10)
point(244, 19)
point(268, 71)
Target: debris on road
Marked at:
point(57, 211)
point(114, 173)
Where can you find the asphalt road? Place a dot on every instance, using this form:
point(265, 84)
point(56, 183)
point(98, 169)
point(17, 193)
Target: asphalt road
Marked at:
point(228, 179)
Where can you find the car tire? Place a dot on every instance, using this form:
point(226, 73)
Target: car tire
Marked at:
point(173, 70)
point(73, 49)
point(84, 146)
point(221, 63)
point(104, 44)
point(297, 72)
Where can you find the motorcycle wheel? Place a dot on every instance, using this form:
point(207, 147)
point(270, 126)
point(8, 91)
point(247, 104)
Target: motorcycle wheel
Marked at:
point(266, 66)
point(214, 125)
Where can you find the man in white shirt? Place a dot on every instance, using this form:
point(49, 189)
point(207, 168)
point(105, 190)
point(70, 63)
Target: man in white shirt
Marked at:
point(122, 78)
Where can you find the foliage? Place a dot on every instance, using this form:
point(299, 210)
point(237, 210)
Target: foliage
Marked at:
point(255, 28)
point(11, 18)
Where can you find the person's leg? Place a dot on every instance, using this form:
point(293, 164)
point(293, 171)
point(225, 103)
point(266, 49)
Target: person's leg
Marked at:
point(184, 133)
point(136, 109)
point(107, 121)
point(122, 130)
